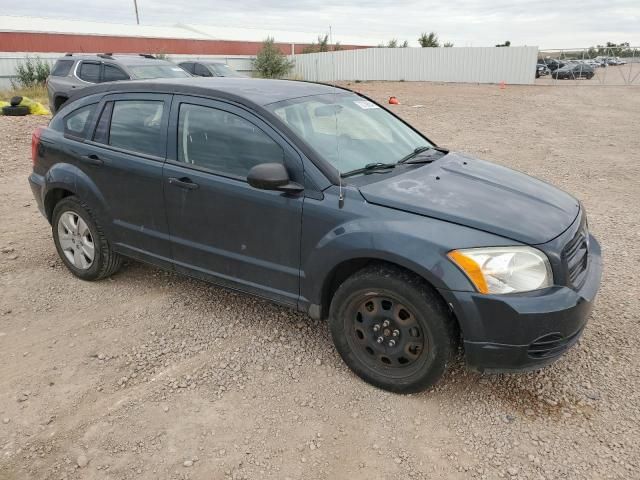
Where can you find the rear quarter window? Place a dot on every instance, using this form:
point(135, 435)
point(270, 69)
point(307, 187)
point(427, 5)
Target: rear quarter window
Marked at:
point(62, 68)
point(76, 124)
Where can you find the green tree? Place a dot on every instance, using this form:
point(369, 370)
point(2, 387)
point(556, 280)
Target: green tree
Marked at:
point(428, 40)
point(393, 43)
point(321, 46)
point(447, 44)
point(270, 62)
point(31, 72)
point(505, 44)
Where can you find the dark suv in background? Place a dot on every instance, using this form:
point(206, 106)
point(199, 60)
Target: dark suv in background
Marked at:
point(209, 68)
point(73, 72)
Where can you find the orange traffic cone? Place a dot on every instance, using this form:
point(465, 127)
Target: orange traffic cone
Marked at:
point(394, 101)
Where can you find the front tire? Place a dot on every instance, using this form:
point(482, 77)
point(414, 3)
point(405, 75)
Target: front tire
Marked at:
point(80, 242)
point(392, 329)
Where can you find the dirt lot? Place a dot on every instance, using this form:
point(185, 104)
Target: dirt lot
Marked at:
point(151, 375)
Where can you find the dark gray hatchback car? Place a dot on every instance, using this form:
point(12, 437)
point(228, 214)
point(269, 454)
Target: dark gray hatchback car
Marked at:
point(320, 199)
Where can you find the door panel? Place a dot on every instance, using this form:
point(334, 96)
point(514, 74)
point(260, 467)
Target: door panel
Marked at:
point(131, 182)
point(223, 229)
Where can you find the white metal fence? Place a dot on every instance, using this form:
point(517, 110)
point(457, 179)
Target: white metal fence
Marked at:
point(513, 65)
point(10, 61)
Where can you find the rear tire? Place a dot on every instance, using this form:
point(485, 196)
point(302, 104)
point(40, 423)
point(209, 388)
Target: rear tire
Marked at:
point(80, 242)
point(58, 103)
point(392, 329)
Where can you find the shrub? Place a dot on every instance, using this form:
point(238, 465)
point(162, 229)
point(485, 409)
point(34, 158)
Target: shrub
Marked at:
point(270, 62)
point(429, 40)
point(31, 72)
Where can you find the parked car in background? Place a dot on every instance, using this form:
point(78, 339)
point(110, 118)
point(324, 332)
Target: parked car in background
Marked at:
point(320, 199)
point(209, 68)
point(573, 71)
point(76, 71)
point(553, 64)
point(541, 70)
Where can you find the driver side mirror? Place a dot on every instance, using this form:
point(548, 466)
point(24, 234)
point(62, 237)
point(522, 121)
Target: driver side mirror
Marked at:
point(272, 176)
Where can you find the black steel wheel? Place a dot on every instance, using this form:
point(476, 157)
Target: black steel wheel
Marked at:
point(392, 329)
point(385, 333)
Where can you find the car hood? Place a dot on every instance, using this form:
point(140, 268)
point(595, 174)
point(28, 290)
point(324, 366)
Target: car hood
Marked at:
point(481, 195)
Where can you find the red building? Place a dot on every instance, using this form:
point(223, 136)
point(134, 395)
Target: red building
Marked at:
point(45, 35)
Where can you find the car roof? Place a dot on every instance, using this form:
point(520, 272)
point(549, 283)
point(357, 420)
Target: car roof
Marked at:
point(122, 59)
point(206, 62)
point(245, 90)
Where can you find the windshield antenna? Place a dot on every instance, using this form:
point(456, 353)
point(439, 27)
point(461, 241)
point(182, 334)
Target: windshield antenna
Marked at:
point(335, 113)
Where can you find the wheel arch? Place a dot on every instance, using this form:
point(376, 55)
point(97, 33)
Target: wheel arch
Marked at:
point(51, 199)
point(65, 179)
point(59, 100)
point(347, 268)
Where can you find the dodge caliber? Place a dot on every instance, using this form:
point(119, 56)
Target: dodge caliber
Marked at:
point(320, 199)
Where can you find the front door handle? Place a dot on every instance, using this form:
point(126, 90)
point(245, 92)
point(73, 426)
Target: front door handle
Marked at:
point(183, 182)
point(92, 159)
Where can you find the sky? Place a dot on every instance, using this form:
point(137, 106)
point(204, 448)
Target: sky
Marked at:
point(543, 23)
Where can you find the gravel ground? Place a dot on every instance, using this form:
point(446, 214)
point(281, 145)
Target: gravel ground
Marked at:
point(152, 375)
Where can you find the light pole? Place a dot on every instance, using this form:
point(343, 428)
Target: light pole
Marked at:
point(135, 6)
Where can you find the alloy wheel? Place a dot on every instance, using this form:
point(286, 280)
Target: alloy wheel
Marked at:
point(76, 240)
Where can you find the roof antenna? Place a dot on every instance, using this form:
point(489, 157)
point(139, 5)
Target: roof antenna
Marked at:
point(335, 113)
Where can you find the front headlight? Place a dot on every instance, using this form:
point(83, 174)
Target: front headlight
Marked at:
point(504, 269)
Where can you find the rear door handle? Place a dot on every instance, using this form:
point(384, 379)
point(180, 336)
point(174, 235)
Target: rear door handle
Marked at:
point(183, 182)
point(92, 159)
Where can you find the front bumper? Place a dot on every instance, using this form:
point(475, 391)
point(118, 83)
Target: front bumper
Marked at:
point(504, 333)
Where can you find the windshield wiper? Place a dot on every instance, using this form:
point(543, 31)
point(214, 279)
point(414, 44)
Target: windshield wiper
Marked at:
point(369, 167)
point(417, 151)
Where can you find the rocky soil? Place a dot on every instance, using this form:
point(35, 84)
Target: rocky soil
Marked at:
point(151, 375)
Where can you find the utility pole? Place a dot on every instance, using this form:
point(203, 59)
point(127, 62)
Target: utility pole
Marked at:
point(135, 5)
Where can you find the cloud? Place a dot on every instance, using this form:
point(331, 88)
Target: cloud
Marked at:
point(545, 23)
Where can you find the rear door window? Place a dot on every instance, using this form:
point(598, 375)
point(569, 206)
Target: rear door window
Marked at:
point(89, 72)
point(113, 74)
point(136, 125)
point(188, 66)
point(62, 68)
point(201, 70)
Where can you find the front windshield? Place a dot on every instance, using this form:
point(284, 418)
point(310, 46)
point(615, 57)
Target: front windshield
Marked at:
point(348, 131)
point(223, 70)
point(157, 71)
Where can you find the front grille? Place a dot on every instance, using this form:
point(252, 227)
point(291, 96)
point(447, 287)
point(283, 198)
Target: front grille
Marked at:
point(552, 345)
point(576, 257)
